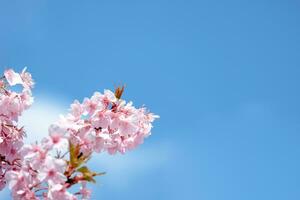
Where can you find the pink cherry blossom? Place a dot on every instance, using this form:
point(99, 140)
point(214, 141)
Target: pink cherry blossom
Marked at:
point(56, 139)
point(47, 169)
point(101, 119)
point(20, 183)
point(12, 77)
point(34, 155)
point(27, 79)
point(86, 193)
point(53, 169)
point(58, 191)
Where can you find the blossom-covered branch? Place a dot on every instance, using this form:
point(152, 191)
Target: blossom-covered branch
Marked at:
point(47, 169)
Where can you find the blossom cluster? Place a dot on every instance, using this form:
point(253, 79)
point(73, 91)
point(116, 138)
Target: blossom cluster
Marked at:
point(48, 169)
point(12, 104)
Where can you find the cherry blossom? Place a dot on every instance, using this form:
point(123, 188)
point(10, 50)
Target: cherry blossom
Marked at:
point(58, 191)
point(49, 168)
point(52, 169)
point(12, 77)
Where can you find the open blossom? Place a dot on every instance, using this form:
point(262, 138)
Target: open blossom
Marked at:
point(34, 155)
point(27, 79)
point(20, 183)
point(11, 150)
point(57, 138)
point(14, 78)
point(86, 193)
point(116, 126)
point(12, 104)
point(58, 191)
point(47, 169)
point(52, 169)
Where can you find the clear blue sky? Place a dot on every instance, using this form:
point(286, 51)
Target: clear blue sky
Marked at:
point(223, 76)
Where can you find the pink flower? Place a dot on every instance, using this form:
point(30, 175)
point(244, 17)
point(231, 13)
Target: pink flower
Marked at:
point(11, 150)
point(2, 83)
point(59, 192)
point(27, 79)
point(24, 194)
point(12, 77)
point(85, 193)
point(34, 154)
point(53, 169)
point(101, 119)
point(48, 169)
point(20, 182)
point(84, 138)
point(101, 140)
point(56, 138)
point(126, 126)
point(110, 96)
point(76, 109)
point(94, 103)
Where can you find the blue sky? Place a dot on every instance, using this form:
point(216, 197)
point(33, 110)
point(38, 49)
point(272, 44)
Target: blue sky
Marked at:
point(223, 76)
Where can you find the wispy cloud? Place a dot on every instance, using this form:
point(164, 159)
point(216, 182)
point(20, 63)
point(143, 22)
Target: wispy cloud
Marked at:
point(133, 165)
point(37, 119)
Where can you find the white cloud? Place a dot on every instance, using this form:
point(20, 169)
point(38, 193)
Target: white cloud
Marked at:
point(37, 119)
point(133, 165)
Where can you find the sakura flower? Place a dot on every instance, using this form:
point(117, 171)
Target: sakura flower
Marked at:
point(126, 126)
point(53, 169)
point(84, 138)
point(101, 140)
point(109, 97)
point(26, 99)
point(76, 109)
point(59, 192)
point(56, 138)
point(47, 170)
point(14, 178)
point(20, 182)
point(12, 77)
point(34, 154)
point(10, 150)
point(101, 119)
point(24, 194)
point(94, 103)
point(27, 79)
point(85, 193)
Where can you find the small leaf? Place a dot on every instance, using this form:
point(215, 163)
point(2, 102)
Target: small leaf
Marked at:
point(119, 91)
point(72, 153)
point(83, 169)
point(76, 157)
point(88, 175)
